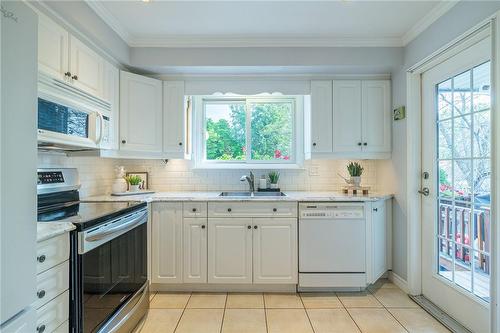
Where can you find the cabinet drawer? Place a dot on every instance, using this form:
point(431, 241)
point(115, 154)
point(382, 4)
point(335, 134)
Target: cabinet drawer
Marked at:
point(252, 209)
point(52, 252)
point(64, 328)
point(195, 209)
point(53, 314)
point(51, 283)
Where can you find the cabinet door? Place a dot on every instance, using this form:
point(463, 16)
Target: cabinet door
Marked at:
point(166, 259)
point(346, 116)
point(111, 93)
point(275, 250)
point(173, 117)
point(230, 250)
point(195, 250)
point(140, 113)
point(376, 116)
point(379, 240)
point(321, 116)
point(53, 48)
point(86, 67)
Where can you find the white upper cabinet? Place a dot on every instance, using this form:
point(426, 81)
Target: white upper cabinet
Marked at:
point(350, 119)
point(86, 68)
point(140, 113)
point(321, 116)
point(275, 250)
point(173, 118)
point(376, 116)
point(166, 233)
point(53, 48)
point(346, 116)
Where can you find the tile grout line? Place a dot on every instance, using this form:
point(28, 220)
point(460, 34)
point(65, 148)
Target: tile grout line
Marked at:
point(387, 309)
point(307, 313)
point(265, 312)
point(348, 313)
point(224, 313)
point(182, 314)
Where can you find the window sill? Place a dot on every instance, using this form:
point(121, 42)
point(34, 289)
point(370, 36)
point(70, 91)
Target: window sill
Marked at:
point(242, 166)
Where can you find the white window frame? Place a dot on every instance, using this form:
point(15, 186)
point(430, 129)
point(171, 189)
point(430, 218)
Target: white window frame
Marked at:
point(297, 153)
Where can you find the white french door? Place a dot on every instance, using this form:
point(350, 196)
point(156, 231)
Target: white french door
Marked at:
point(456, 144)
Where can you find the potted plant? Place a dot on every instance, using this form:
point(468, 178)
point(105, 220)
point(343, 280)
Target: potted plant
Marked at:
point(134, 182)
point(274, 177)
point(355, 171)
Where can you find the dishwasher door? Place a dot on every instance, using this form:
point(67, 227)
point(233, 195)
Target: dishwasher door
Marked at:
point(332, 239)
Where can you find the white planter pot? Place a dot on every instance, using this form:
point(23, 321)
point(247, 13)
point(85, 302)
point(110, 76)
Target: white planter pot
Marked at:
point(274, 186)
point(134, 188)
point(356, 181)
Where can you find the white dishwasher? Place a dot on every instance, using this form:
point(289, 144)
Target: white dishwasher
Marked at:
point(332, 246)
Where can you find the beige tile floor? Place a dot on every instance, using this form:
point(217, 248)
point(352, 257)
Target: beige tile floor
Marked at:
point(383, 308)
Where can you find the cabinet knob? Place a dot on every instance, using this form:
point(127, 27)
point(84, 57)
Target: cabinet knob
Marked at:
point(40, 293)
point(124, 141)
point(365, 144)
point(180, 143)
point(229, 210)
point(74, 77)
point(314, 144)
point(194, 210)
point(255, 227)
point(275, 210)
point(359, 143)
point(375, 209)
point(203, 226)
point(40, 329)
point(67, 74)
point(249, 227)
point(41, 258)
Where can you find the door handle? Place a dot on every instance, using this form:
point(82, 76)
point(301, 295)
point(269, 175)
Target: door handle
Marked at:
point(424, 191)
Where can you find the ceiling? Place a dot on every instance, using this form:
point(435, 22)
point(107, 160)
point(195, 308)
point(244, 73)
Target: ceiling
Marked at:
point(268, 23)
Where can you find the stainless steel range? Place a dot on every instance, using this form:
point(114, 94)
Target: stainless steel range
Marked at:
point(108, 278)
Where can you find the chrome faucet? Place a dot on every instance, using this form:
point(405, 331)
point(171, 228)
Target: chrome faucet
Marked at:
point(251, 181)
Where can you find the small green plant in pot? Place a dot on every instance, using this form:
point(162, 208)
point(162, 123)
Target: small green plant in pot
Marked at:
point(355, 171)
point(134, 182)
point(274, 177)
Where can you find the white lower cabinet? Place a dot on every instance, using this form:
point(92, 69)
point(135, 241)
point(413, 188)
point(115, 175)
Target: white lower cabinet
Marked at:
point(275, 250)
point(53, 314)
point(195, 250)
point(167, 242)
point(230, 250)
point(379, 239)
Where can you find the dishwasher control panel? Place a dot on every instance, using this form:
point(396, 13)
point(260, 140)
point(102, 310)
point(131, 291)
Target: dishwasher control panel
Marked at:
point(348, 214)
point(328, 211)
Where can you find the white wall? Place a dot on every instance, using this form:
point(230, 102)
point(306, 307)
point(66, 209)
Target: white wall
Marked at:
point(459, 19)
point(97, 174)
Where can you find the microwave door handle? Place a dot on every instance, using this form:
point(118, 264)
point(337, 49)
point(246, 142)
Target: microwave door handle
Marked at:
point(101, 127)
point(110, 231)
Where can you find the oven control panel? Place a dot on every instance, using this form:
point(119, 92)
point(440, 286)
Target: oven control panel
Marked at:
point(50, 177)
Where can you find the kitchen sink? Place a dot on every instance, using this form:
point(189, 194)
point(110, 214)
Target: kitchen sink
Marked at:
point(254, 194)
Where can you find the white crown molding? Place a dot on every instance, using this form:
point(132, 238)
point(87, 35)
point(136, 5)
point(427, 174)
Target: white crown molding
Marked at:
point(109, 19)
point(267, 41)
point(425, 22)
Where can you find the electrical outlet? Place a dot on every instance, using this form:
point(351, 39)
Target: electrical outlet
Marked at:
point(314, 170)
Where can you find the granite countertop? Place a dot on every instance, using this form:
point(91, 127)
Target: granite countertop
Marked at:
point(214, 196)
point(46, 230)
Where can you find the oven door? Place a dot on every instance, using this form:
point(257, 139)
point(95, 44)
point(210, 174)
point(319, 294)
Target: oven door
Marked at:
point(113, 270)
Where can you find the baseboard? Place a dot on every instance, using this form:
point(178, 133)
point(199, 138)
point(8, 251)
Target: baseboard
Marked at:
point(192, 287)
point(398, 281)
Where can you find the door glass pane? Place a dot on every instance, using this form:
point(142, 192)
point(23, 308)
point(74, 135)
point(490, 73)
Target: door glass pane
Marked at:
point(464, 177)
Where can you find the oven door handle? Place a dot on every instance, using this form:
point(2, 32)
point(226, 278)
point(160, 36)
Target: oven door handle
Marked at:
point(123, 226)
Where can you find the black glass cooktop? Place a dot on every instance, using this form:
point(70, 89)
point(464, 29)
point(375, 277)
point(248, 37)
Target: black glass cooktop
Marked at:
point(87, 214)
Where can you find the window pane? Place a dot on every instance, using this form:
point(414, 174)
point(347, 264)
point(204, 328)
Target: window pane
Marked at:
point(482, 275)
point(445, 263)
point(444, 100)
point(444, 139)
point(225, 135)
point(463, 274)
point(462, 94)
point(462, 137)
point(272, 130)
point(481, 89)
point(481, 134)
point(445, 179)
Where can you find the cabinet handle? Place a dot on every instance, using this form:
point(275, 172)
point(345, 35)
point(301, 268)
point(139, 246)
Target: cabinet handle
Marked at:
point(255, 227)
point(314, 144)
point(275, 210)
point(229, 210)
point(249, 227)
point(40, 329)
point(41, 258)
point(124, 141)
point(40, 293)
point(365, 144)
point(375, 209)
point(359, 143)
point(203, 226)
point(74, 77)
point(194, 210)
